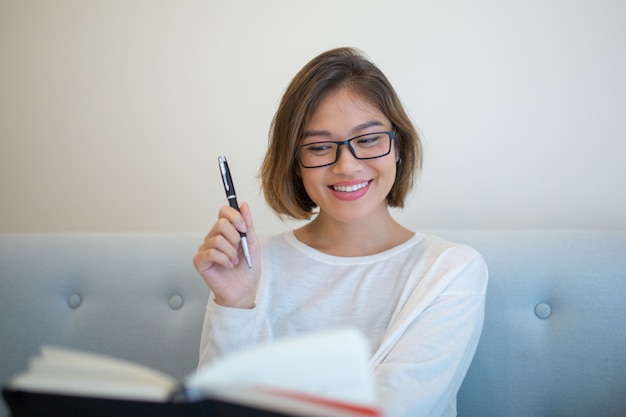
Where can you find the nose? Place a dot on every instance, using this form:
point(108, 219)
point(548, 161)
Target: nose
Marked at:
point(346, 161)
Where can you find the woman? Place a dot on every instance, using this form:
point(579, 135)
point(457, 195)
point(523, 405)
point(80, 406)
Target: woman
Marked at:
point(343, 151)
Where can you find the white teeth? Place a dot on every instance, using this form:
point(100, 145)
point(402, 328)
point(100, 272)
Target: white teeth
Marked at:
point(349, 188)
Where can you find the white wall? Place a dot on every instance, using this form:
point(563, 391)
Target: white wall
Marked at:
point(113, 113)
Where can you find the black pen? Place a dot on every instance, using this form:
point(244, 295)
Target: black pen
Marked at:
point(229, 187)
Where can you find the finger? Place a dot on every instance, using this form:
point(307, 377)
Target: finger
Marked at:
point(207, 258)
point(222, 241)
point(228, 231)
point(224, 227)
point(234, 217)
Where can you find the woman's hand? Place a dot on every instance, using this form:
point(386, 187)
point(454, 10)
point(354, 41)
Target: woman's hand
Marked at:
point(221, 262)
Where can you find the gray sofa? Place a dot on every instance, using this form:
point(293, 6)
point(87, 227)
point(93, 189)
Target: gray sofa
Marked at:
point(554, 341)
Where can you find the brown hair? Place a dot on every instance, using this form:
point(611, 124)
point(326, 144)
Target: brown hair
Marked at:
point(329, 71)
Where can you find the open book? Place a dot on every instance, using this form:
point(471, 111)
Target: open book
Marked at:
point(319, 374)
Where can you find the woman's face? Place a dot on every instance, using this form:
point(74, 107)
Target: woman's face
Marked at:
point(350, 189)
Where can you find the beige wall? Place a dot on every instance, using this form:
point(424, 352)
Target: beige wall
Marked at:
point(113, 113)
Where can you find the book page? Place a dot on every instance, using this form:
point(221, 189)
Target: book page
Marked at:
point(67, 371)
point(331, 365)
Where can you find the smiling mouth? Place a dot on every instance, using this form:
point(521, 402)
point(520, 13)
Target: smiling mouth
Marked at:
point(349, 188)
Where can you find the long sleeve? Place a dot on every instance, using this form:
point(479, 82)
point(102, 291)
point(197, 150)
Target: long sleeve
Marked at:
point(423, 359)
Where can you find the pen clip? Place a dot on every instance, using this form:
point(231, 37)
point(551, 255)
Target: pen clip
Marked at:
point(225, 173)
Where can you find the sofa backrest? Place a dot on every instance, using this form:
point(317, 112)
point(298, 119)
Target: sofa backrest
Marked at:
point(134, 296)
point(554, 339)
point(553, 343)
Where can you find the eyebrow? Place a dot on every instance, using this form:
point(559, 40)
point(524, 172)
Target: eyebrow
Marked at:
point(355, 129)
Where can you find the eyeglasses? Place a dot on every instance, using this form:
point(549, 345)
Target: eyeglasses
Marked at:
point(368, 146)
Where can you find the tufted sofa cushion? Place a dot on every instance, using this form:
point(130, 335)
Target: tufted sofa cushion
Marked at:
point(135, 296)
point(554, 340)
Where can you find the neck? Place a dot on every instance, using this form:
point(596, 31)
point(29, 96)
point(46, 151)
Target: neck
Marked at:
point(354, 238)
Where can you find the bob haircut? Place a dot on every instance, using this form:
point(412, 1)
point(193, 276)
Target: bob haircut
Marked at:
point(338, 68)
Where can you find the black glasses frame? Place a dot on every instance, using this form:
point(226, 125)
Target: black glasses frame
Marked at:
point(347, 142)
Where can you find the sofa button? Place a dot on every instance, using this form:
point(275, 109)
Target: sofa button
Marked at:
point(176, 302)
point(74, 300)
point(543, 311)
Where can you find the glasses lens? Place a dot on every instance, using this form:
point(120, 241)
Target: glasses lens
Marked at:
point(318, 154)
point(372, 145)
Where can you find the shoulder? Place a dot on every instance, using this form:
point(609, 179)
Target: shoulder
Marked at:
point(272, 239)
point(277, 247)
point(278, 241)
point(449, 249)
point(460, 262)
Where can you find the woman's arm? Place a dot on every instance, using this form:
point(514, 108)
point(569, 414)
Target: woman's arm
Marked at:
point(426, 357)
